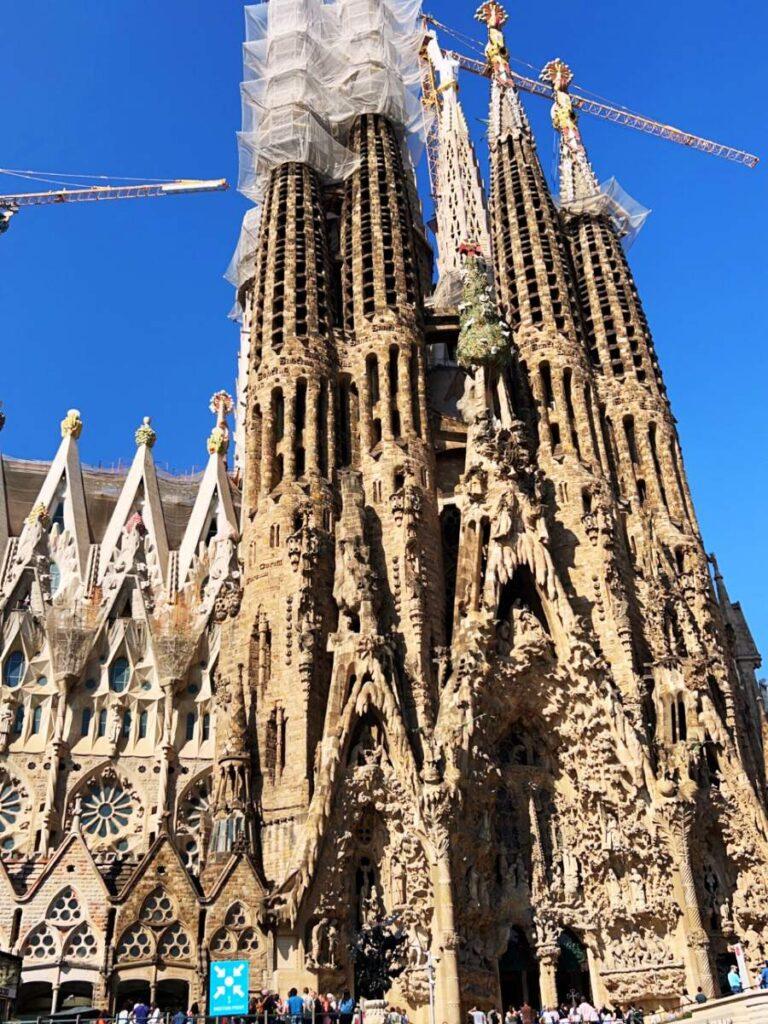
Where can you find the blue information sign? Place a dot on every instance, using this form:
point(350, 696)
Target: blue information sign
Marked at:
point(228, 988)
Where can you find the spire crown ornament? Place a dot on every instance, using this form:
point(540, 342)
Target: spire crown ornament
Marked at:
point(72, 424)
point(221, 406)
point(145, 435)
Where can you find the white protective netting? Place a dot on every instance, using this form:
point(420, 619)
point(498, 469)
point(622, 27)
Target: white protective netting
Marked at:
point(627, 214)
point(310, 68)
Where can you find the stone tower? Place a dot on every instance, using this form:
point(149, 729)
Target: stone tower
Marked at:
point(443, 651)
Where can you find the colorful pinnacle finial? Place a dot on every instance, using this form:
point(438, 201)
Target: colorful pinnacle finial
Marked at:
point(72, 425)
point(218, 440)
point(560, 76)
point(494, 16)
point(577, 179)
point(145, 435)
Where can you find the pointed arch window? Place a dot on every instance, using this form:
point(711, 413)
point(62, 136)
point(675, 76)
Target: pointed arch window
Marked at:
point(85, 721)
point(81, 945)
point(41, 944)
point(191, 721)
point(158, 907)
point(37, 717)
point(102, 727)
point(119, 674)
point(18, 720)
point(206, 728)
point(135, 944)
point(65, 909)
point(13, 672)
point(126, 727)
point(143, 720)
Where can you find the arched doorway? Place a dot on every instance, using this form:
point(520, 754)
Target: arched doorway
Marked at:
point(35, 999)
point(723, 964)
point(75, 993)
point(172, 994)
point(572, 977)
point(518, 972)
point(131, 991)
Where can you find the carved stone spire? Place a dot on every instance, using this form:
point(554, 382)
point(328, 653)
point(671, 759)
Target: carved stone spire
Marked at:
point(232, 804)
point(461, 209)
point(507, 114)
point(577, 179)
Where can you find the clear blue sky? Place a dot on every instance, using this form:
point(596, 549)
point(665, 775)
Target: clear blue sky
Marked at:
point(119, 309)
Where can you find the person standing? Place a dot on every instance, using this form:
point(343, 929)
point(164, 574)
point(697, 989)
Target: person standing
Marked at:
point(295, 1006)
point(527, 1013)
point(140, 1013)
point(346, 1008)
point(734, 980)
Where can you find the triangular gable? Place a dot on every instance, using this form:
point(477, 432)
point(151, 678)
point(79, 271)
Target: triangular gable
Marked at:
point(141, 480)
point(174, 876)
point(8, 901)
point(66, 466)
point(73, 852)
point(213, 487)
point(240, 875)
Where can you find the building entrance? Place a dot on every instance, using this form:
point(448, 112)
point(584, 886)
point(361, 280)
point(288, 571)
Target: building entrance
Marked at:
point(518, 972)
point(572, 977)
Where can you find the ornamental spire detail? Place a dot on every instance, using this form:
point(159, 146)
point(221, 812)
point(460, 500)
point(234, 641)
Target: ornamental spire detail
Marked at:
point(507, 114)
point(221, 406)
point(577, 179)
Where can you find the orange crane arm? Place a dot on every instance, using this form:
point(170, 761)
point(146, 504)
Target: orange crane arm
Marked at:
point(84, 195)
point(615, 114)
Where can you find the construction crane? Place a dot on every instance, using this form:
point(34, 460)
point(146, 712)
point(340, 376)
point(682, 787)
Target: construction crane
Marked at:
point(618, 115)
point(10, 204)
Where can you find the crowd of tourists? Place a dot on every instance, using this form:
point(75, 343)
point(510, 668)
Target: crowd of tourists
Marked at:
point(580, 1012)
point(310, 1006)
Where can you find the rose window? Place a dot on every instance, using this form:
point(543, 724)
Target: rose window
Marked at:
point(194, 808)
point(248, 942)
point(10, 802)
point(223, 942)
point(81, 944)
point(158, 908)
point(65, 909)
point(106, 809)
point(41, 944)
point(175, 944)
point(237, 916)
point(135, 944)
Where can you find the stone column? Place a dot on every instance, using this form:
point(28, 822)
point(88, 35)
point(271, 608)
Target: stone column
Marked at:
point(447, 994)
point(405, 405)
point(548, 955)
point(696, 936)
point(312, 429)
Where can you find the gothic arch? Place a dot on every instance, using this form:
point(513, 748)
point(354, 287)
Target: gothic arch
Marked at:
point(175, 944)
point(65, 909)
point(136, 944)
point(81, 944)
point(41, 945)
point(158, 908)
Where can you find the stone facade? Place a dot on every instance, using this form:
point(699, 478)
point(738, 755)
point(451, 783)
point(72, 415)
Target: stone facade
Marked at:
point(446, 647)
